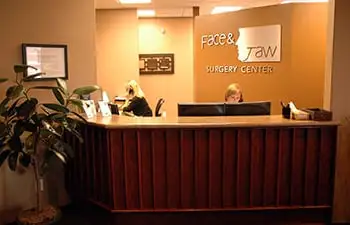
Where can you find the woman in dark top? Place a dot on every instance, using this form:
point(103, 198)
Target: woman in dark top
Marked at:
point(137, 103)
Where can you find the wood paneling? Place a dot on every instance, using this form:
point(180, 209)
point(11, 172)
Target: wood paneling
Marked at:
point(205, 169)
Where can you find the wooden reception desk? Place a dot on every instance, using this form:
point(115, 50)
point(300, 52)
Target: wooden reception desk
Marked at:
point(242, 165)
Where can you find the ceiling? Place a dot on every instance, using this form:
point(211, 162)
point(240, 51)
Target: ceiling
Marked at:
point(183, 8)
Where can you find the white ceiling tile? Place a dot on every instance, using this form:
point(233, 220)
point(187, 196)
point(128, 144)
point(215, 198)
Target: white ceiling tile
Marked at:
point(184, 7)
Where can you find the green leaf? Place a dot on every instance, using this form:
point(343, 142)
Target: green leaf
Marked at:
point(37, 117)
point(33, 76)
point(11, 111)
point(77, 102)
point(58, 95)
point(19, 128)
point(62, 85)
point(2, 128)
point(12, 160)
point(80, 117)
point(71, 129)
point(25, 159)
point(3, 105)
point(14, 91)
point(86, 90)
point(72, 122)
point(27, 108)
point(44, 133)
point(45, 110)
point(29, 142)
point(10, 91)
point(15, 144)
point(49, 128)
point(57, 116)
point(56, 107)
point(62, 157)
point(22, 68)
point(76, 134)
point(2, 80)
point(3, 142)
point(30, 127)
point(42, 87)
point(3, 156)
point(63, 148)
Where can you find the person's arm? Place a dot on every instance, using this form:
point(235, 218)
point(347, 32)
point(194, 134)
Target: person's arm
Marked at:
point(132, 105)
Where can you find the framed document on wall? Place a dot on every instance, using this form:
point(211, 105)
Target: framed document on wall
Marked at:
point(51, 60)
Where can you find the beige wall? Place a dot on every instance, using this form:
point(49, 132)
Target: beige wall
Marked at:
point(305, 78)
point(56, 21)
point(177, 38)
point(298, 77)
point(117, 49)
point(336, 97)
point(121, 37)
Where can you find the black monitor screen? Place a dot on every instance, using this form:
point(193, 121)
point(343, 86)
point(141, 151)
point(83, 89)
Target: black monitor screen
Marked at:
point(201, 109)
point(248, 109)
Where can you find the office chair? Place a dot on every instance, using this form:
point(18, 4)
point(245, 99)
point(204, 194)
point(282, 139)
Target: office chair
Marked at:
point(159, 105)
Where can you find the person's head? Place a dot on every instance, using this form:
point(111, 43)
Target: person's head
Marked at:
point(133, 89)
point(233, 93)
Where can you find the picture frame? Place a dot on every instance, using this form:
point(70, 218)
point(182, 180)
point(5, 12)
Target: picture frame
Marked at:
point(89, 108)
point(50, 59)
point(104, 109)
point(156, 64)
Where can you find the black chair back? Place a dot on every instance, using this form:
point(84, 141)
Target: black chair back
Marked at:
point(158, 106)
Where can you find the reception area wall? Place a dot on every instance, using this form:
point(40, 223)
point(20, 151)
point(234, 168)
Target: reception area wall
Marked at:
point(121, 36)
point(168, 35)
point(298, 75)
point(42, 22)
point(117, 49)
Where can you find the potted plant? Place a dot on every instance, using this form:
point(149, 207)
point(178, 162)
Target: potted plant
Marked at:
point(31, 132)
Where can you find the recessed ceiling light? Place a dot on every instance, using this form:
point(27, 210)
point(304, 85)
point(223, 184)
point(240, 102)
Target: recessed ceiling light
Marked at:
point(223, 9)
point(134, 1)
point(146, 13)
point(302, 1)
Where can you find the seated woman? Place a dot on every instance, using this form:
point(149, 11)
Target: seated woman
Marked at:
point(233, 94)
point(136, 101)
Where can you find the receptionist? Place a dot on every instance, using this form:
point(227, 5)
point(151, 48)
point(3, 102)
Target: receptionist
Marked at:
point(136, 102)
point(233, 93)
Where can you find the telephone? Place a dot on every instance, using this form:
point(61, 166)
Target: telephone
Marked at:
point(131, 90)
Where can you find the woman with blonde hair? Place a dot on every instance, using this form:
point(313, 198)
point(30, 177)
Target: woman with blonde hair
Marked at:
point(136, 101)
point(233, 93)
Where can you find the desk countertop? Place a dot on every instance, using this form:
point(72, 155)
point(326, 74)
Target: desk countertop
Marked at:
point(116, 121)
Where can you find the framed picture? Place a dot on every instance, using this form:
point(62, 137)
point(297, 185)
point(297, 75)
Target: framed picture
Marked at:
point(48, 59)
point(89, 108)
point(104, 108)
point(156, 63)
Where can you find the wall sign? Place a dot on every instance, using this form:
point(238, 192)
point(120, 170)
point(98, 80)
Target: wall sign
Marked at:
point(156, 63)
point(253, 45)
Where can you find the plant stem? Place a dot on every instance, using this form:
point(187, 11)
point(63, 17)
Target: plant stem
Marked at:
point(38, 189)
point(36, 161)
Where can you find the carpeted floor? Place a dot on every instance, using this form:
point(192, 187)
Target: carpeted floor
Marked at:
point(72, 215)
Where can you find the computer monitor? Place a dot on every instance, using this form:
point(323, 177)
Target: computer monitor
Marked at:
point(248, 108)
point(201, 109)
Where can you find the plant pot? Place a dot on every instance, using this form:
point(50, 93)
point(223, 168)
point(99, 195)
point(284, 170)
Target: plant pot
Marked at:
point(49, 215)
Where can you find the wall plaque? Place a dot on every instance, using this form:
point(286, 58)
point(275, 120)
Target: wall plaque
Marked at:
point(49, 59)
point(156, 63)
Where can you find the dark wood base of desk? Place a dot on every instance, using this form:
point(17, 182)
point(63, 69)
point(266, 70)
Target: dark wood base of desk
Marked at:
point(244, 173)
point(94, 215)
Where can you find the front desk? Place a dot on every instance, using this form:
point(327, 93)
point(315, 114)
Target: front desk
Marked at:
point(260, 168)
